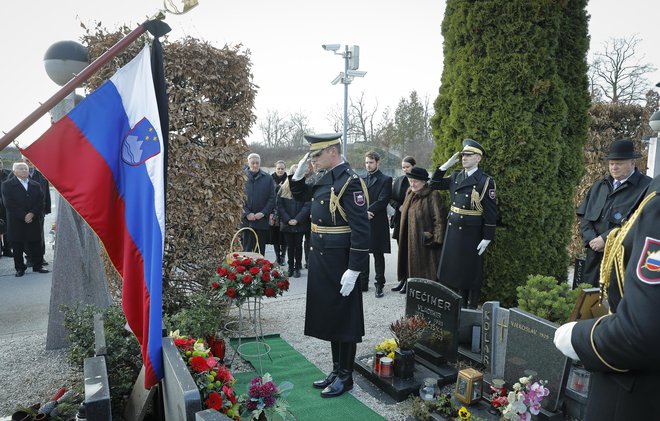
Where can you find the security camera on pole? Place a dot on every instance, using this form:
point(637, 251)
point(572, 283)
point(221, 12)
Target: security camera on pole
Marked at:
point(351, 57)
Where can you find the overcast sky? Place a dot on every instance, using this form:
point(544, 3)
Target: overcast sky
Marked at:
point(400, 45)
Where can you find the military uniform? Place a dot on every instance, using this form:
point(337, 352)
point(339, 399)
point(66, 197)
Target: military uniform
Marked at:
point(603, 209)
point(340, 241)
point(621, 350)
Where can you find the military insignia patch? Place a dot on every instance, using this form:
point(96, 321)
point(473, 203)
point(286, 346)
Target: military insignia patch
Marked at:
point(491, 193)
point(358, 198)
point(648, 267)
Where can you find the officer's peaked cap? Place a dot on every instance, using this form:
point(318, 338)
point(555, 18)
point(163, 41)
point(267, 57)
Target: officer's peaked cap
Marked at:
point(472, 146)
point(622, 149)
point(321, 141)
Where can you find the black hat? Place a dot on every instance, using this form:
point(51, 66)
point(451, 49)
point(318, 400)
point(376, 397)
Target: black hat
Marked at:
point(472, 146)
point(418, 173)
point(322, 141)
point(622, 149)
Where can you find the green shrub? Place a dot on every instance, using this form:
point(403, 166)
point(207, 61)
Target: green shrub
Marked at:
point(123, 358)
point(200, 317)
point(547, 298)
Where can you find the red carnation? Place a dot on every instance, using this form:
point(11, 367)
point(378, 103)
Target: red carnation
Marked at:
point(231, 292)
point(229, 393)
point(265, 277)
point(215, 285)
point(286, 285)
point(276, 274)
point(246, 261)
point(199, 364)
point(222, 271)
point(254, 270)
point(270, 292)
point(266, 268)
point(247, 279)
point(223, 374)
point(218, 269)
point(232, 276)
point(240, 269)
point(214, 401)
point(280, 285)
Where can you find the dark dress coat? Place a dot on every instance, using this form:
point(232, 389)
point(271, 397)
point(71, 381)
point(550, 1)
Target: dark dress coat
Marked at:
point(4, 176)
point(399, 189)
point(18, 203)
point(628, 339)
point(422, 233)
point(259, 197)
point(329, 315)
point(379, 187)
point(45, 188)
point(602, 210)
point(461, 267)
point(289, 209)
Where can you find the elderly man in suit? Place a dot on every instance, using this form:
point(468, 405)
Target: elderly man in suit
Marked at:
point(24, 203)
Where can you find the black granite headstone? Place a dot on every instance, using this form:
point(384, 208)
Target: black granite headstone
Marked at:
point(440, 306)
point(469, 334)
point(530, 347)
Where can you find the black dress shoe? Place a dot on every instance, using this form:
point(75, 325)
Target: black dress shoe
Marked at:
point(41, 270)
point(342, 383)
point(379, 291)
point(290, 273)
point(322, 384)
point(400, 286)
point(296, 273)
point(19, 273)
point(403, 290)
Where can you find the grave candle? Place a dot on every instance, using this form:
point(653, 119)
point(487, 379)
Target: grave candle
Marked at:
point(386, 367)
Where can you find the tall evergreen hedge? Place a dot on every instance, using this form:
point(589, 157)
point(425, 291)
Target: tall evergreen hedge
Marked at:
point(514, 79)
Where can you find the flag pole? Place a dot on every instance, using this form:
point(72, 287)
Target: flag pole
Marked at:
point(71, 85)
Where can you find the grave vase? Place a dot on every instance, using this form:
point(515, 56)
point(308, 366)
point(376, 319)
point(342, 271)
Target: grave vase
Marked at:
point(404, 363)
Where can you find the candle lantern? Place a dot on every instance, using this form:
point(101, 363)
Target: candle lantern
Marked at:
point(469, 386)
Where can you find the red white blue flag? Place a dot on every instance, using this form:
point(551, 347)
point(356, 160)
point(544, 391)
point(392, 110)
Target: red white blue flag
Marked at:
point(106, 158)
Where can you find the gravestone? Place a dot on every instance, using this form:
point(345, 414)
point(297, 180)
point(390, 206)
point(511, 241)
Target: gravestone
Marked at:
point(530, 347)
point(469, 334)
point(440, 306)
point(211, 415)
point(97, 389)
point(181, 399)
point(578, 272)
point(494, 338)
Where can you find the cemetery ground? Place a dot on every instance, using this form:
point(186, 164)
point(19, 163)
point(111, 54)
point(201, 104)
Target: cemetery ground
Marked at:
point(31, 374)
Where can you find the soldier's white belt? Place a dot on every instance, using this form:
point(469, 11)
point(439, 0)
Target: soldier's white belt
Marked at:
point(344, 229)
point(466, 211)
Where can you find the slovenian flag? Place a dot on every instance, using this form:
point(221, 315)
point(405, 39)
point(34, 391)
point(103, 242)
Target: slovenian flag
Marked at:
point(106, 158)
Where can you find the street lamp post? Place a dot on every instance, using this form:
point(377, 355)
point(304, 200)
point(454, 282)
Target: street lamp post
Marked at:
point(351, 55)
point(653, 160)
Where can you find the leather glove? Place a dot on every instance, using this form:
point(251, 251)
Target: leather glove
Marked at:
point(482, 246)
point(563, 340)
point(450, 162)
point(348, 281)
point(302, 167)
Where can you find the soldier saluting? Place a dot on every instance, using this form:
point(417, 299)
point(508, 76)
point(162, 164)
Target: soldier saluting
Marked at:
point(339, 252)
point(470, 223)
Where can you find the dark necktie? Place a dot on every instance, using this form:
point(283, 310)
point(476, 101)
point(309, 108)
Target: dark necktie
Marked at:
point(617, 184)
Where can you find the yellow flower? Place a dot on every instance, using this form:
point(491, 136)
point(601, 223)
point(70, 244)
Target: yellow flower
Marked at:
point(464, 414)
point(391, 355)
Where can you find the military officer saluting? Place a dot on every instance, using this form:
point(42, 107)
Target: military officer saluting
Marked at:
point(470, 223)
point(339, 252)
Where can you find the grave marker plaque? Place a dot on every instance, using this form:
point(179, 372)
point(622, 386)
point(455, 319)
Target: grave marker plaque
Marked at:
point(530, 347)
point(440, 306)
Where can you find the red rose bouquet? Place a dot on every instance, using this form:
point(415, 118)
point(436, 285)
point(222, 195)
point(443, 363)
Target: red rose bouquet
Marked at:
point(214, 381)
point(247, 277)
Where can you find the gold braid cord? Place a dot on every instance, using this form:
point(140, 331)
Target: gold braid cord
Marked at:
point(614, 252)
point(335, 200)
point(476, 198)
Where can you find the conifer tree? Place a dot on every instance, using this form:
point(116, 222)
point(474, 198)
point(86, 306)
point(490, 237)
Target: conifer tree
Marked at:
point(515, 81)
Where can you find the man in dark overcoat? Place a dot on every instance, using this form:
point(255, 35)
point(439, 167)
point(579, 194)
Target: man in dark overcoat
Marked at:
point(339, 252)
point(259, 203)
point(621, 349)
point(24, 203)
point(45, 189)
point(379, 187)
point(5, 174)
point(470, 223)
point(607, 202)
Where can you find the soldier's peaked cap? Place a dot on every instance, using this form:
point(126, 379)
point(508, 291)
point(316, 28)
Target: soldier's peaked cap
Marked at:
point(321, 141)
point(472, 146)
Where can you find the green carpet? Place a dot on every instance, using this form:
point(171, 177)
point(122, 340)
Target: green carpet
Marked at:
point(305, 402)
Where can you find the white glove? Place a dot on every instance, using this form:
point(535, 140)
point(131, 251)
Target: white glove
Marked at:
point(563, 340)
point(450, 162)
point(348, 281)
point(482, 246)
point(302, 167)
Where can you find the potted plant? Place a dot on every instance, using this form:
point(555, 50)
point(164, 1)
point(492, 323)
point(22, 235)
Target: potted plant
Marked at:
point(265, 399)
point(407, 332)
